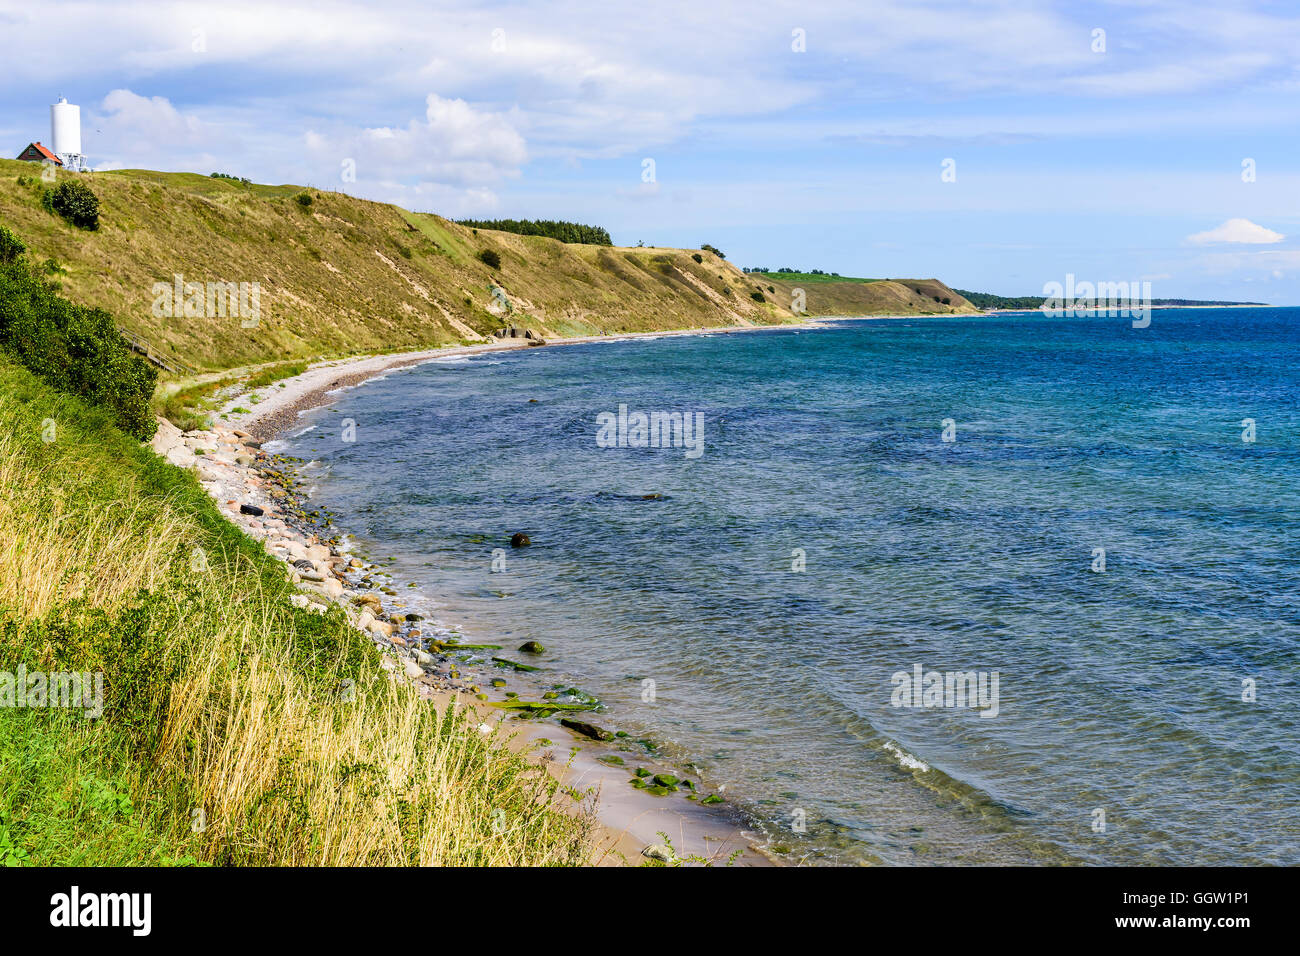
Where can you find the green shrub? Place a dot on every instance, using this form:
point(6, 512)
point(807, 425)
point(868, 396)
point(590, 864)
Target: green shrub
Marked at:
point(74, 348)
point(490, 258)
point(11, 247)
point(75, 202)
point(697, 257)
point(758, 297)
point(715, 250)
point(304, 199)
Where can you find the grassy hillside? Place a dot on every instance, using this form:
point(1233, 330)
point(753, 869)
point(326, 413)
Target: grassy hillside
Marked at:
point(236, 727)
point(345, 275)
point(867, 296)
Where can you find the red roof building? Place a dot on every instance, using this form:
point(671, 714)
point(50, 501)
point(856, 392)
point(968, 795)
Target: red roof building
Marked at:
point(36, 153)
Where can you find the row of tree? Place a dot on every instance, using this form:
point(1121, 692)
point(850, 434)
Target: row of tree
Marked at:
point(552, 228)
point(788, 270)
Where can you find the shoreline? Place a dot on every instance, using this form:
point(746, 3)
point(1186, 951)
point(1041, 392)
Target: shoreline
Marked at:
point(236, 472)
point(254, 490)
point(287, 399)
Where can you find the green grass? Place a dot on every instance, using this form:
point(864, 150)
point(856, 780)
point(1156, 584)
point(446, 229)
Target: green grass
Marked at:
point(65, 797)
point(432, 229)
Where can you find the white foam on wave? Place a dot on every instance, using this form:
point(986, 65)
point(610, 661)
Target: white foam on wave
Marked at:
point(905, 759)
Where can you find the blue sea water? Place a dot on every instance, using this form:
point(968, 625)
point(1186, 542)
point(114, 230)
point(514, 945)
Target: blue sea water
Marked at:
point(1120, 691)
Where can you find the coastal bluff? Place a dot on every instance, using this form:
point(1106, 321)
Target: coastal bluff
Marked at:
point(335, 275)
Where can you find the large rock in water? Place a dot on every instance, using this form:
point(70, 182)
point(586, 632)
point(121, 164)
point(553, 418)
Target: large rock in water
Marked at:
point(586, 729)
point(520, 540)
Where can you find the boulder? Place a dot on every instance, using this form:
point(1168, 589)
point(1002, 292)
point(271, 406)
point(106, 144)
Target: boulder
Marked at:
point(369, 600)
point(167, 436)
point(181, 456)
point(520, 540)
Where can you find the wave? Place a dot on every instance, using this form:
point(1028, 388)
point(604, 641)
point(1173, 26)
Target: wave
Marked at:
point(905, 759)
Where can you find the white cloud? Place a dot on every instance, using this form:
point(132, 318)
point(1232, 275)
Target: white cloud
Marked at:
point(454, 152)
point(1236, 230)
point(154, 119)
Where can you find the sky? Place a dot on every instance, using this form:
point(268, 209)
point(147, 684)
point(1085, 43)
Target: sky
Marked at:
point(998, 146)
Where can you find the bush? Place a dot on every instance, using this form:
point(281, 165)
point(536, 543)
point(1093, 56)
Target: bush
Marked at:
point(11, 247)
point(715, 250)
point(74, 348)
point(697, 257)
point(758, 297)
point(304, 199)
point(490, 258)
point(75, 202)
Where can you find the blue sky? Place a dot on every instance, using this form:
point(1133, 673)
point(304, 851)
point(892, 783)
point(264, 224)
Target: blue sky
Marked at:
point(787, 134)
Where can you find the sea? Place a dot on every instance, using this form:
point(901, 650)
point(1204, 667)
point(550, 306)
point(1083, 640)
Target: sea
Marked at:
point(989, 589)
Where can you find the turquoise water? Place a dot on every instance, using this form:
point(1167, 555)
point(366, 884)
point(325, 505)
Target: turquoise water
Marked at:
point(1120, 690)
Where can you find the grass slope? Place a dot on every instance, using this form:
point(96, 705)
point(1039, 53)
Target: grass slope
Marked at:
point(237, 728)
point(345, 275)
point(868, 296)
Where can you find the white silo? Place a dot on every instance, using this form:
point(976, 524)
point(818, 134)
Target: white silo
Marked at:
point(65, 133)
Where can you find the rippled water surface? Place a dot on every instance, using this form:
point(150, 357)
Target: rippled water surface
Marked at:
point(1119, 691)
